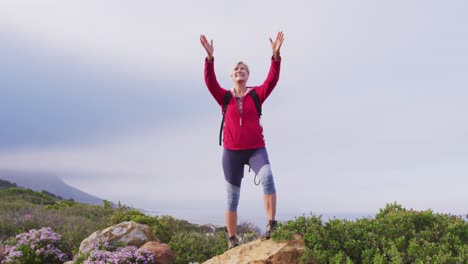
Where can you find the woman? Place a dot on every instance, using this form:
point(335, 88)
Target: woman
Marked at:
point(243, 134)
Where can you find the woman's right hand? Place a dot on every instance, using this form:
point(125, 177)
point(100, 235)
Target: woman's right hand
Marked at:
point(208, 46)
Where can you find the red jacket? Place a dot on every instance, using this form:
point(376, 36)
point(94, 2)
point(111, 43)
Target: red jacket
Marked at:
point(244, 131)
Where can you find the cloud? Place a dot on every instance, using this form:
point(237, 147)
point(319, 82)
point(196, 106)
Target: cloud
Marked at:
point(49, 101)
point(369, 108)
point(167, 160)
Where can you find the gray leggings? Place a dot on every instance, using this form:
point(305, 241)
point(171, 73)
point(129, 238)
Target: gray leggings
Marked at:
point(233, 166)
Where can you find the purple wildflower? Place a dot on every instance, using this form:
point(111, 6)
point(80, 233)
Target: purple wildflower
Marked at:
point(122, 255)
point(39, 244)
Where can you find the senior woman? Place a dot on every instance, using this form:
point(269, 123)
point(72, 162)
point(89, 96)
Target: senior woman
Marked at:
point(243, 140)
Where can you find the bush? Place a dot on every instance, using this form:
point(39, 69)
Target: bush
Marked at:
point(123, 214)
point(196, 247)
point(74, 221)
point(13, 194)
point(164, 227)
point(36, 246)
point(396, 235)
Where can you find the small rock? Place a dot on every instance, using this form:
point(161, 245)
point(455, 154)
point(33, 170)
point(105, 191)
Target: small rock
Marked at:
point(161, 252)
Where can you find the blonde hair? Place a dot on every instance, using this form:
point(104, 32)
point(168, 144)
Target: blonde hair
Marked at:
point(243, 63)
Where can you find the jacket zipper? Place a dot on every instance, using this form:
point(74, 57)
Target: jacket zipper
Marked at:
point(241, 105)
point(242, 102)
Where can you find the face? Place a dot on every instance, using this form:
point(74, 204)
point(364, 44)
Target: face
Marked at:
point(240, 73)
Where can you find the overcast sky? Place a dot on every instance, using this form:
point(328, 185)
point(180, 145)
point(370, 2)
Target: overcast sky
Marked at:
point(370, 107)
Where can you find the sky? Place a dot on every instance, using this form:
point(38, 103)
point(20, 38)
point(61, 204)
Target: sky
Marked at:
point(370, 108)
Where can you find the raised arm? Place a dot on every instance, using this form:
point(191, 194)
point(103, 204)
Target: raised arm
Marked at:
point(208, 47)
point(210, 77)
point(269, 84)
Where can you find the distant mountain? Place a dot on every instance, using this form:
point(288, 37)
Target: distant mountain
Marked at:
point(6, 184)
point(50, 183)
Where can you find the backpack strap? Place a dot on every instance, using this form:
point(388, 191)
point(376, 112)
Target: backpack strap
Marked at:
point(258, 105)
point(227, 99)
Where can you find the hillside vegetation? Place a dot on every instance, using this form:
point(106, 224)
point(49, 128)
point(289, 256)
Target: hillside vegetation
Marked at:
point(394, 235)
point(23, 210)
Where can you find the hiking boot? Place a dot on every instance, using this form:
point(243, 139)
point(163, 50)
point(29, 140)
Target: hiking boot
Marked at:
point(232, 242)
point(271, 226)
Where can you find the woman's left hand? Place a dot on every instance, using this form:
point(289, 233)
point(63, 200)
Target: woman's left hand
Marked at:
point(276, 45)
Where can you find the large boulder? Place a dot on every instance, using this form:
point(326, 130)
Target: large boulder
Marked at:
point(128, 233)
point(161, 252)
point(262, 252)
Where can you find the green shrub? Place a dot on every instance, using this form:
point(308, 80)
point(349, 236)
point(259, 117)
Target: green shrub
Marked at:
point(164, 227)
point(395, 235)
point(197, 247)
point(74, 223)
point(123, 214)
point(61, 204)
point(13, 194)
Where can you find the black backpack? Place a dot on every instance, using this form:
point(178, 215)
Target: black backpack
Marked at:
point(227, 98)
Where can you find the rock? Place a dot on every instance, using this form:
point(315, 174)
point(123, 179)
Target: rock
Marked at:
point(129, 233)
point(262, 252)
point(161, 252)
